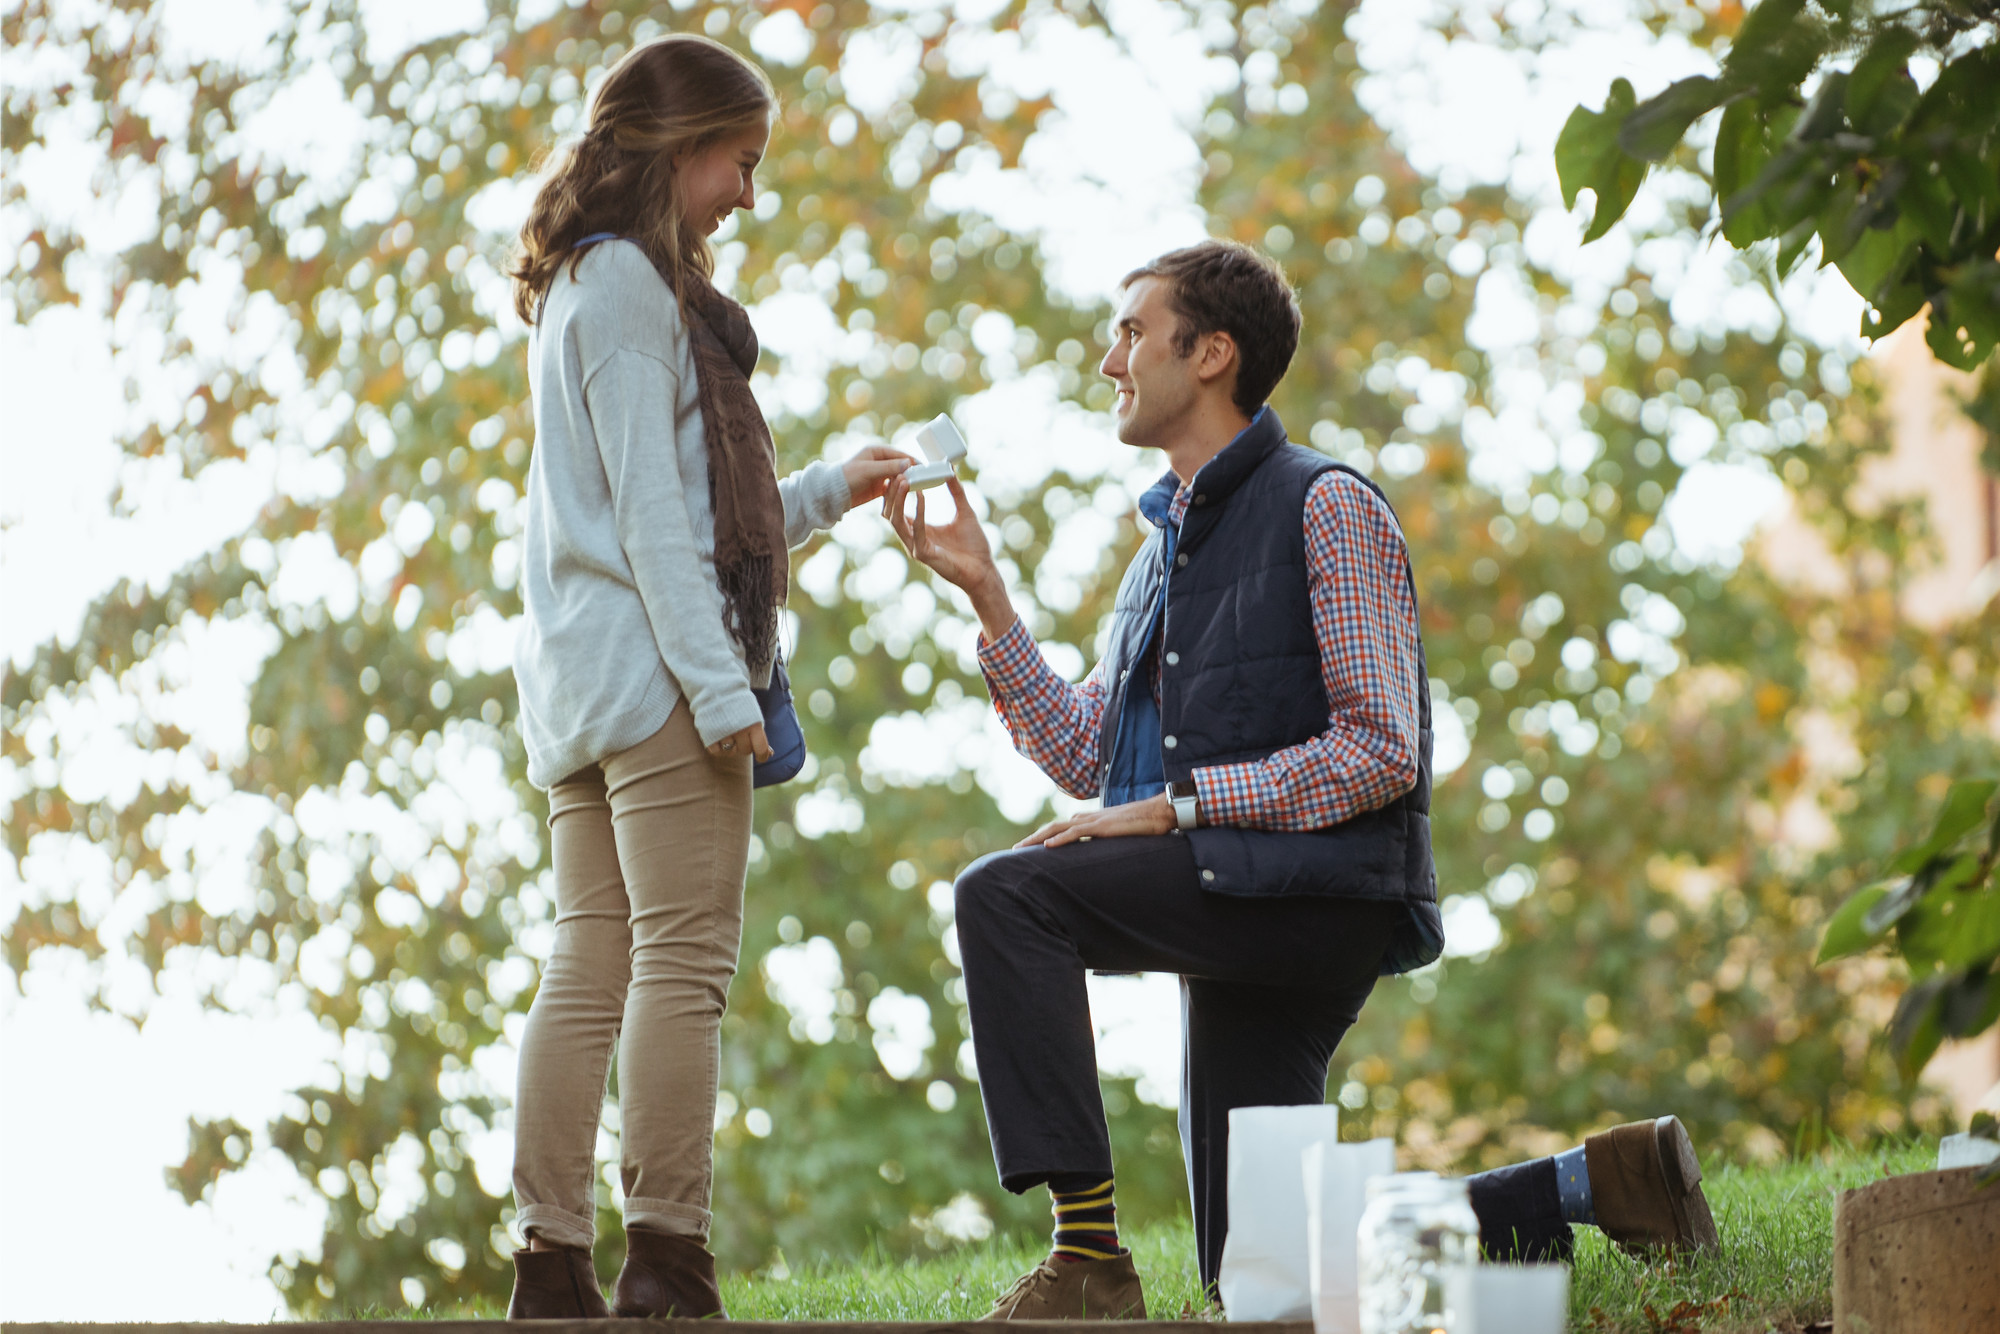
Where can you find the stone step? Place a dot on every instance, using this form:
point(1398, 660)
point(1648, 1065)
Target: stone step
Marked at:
point(421, 1326)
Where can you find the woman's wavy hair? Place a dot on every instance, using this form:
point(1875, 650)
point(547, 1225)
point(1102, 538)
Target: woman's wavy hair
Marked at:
point(669, 97)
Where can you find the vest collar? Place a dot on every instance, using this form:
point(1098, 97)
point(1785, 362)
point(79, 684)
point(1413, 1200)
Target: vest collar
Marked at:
point(1218, 479)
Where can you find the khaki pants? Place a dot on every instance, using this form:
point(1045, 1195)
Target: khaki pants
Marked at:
point(649, 849)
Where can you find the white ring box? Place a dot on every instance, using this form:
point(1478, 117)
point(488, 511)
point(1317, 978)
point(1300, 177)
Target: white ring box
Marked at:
point(943, 446)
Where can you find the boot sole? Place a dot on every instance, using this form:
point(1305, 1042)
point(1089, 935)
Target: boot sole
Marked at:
point(1681, 1170)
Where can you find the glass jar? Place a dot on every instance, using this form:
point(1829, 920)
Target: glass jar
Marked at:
point(1416, 1229)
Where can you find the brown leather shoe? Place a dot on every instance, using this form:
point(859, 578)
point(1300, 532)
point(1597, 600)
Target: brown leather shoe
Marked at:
point(1074, 1290)
point(556, 1284)
point(666, 1275)
point(1645, 1187)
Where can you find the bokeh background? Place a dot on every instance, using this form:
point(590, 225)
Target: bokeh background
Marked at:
point(275, 889)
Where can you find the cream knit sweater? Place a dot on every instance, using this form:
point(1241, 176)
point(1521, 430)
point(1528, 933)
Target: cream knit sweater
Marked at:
point(623, 616)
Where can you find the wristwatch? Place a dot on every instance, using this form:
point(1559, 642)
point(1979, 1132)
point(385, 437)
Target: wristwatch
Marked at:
point(1187, 804)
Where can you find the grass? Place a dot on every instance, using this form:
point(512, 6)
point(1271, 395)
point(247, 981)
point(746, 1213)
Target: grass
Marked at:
point(1774, 1273)
point(960, 1285)
point(1775, 1269)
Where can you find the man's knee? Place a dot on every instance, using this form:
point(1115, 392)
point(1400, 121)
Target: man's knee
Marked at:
point(988, 891)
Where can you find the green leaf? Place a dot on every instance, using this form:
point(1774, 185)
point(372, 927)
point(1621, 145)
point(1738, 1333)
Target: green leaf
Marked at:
point(1841, 220)
point(1846, 934)
point(1929, 205)
point(1975, 933)
point(1971, 1004)
point(1742, 148)
point(1810, 189)
point(1826, 113)
point(1901, 898)
point(1971, 304)
point(1961, 93)
point(1739, 140)
point(1896, 303)
point(1588, 156)
point(1873, 260)
point(1792, 246)
point(1964, 810)
point(1656, 126)
point(1975, 183)
point(1916, 1029)
point(1774, 50)
point(1880, 92)
point(1948, 345)
point(1931, 923)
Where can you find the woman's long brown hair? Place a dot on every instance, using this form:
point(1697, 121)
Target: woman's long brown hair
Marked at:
point(667, 98)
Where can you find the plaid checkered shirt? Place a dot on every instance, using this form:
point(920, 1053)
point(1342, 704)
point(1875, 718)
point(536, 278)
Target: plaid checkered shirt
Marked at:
point(1365, 618)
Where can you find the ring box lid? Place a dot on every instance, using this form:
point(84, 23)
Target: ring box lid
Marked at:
point(943, 446)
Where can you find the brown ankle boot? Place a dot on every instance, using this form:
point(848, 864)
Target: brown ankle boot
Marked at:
point(666, 1275)
point(556, 1284)
point(1645, 1187)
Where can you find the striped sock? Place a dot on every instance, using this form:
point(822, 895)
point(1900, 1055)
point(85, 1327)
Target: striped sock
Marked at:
point(1086, 1222)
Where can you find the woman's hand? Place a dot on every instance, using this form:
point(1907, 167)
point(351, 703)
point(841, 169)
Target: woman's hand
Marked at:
point(749, 741)
point(870, 470)
point(1154, 815)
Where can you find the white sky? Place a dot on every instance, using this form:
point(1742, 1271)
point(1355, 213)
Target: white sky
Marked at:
point(93, 1110)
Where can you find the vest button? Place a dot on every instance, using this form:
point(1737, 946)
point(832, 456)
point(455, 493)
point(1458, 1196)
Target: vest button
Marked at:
point(1208, 875)
point(1181, 559)
point(1201, 500)
point(1173, 659)
point(1170, 742)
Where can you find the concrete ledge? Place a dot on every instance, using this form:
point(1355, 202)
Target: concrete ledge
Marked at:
point(1915, 1255)
point(411, 1326)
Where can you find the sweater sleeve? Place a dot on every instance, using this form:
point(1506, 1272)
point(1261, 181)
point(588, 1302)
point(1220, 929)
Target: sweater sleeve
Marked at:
point(815, 497)
point(631, 398)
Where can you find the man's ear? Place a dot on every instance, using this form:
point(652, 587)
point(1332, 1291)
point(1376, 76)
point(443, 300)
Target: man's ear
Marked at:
point(1216, 357)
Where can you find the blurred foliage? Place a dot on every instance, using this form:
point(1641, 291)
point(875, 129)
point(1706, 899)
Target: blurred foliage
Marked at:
point(1897, 178)
point(1648, 778)
point(1944, 906)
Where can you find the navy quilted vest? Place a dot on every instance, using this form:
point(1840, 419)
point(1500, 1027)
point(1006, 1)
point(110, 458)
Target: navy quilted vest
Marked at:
point(1241, 679)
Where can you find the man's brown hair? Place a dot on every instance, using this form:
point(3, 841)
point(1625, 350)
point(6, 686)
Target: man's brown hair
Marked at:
point(1227, 287)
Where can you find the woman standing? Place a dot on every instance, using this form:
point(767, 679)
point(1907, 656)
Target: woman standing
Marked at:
point(654, 568)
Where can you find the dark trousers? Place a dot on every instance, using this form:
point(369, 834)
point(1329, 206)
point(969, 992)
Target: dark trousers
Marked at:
point(1268, 989)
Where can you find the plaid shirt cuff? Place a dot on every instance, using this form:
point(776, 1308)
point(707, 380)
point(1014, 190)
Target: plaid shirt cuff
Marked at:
point(1012, 664)
point(1231, 794)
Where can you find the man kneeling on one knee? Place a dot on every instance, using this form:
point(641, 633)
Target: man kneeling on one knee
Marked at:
point(1259, 734)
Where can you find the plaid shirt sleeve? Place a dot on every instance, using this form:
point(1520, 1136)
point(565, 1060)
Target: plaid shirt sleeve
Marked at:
point(1052, 722)
point(1365, 616)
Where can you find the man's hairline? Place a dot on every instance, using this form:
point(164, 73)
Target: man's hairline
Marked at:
point(1181, 317)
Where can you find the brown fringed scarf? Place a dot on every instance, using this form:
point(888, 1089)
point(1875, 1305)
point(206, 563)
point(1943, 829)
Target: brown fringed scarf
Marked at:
point(751, 563)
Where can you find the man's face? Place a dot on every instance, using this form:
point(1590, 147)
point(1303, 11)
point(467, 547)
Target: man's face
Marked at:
point(1156, 388)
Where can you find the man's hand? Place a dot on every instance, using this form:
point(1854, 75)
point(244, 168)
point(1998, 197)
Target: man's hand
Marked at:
point(749, 741)
point(959, 551)
point(869, 471)
point(1154, 815)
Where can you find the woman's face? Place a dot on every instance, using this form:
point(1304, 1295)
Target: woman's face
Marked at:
point(718, 178)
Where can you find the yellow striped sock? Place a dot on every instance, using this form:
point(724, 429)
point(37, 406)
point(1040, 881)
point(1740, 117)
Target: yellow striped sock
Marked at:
point(1086, 1222)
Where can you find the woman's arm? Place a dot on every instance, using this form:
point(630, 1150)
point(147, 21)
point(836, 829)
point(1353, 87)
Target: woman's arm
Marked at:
point(815, 497)
point(818, 494)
